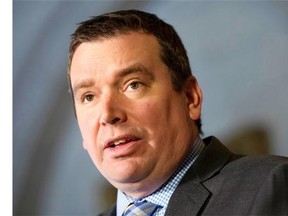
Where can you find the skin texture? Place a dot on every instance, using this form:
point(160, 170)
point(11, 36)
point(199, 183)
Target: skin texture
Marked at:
point(123, 91)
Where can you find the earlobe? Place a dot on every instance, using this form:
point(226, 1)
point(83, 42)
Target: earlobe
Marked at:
point(194, 98)
point(84, 145)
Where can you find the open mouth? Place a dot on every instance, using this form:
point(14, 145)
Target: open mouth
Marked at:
point(120, 141)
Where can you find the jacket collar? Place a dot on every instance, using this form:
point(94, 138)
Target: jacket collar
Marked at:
point(191, 195)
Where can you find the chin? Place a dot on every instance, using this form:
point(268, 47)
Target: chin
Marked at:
point(124, 178)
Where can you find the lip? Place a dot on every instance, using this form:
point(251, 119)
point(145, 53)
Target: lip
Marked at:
point(129, 138)
point(123, 150)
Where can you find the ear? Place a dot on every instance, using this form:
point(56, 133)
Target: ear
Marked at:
point(84, 145)
point(194, 98)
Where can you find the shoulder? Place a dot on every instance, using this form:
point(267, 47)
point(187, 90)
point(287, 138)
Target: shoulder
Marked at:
point(255, 173)
point(238, 173)
point(260, 163)
point(250, 185)
point(217, 161)
point(242, 164)
point(255, 167)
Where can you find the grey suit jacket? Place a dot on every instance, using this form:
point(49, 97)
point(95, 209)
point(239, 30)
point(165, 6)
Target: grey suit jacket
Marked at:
point(222, 183)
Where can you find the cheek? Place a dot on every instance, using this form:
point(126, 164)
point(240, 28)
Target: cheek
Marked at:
point(89, 141)
point(86, 120)
point(83, 125)
point(153, 116)
point(162, 116)
point(148, 112)
point(86, 130)
point(156, 110)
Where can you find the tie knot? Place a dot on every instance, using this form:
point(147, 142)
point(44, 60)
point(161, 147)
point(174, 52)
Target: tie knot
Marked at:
point(140, 208)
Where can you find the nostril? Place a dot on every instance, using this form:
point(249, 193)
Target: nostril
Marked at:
point(111, 121)
point(115, 120)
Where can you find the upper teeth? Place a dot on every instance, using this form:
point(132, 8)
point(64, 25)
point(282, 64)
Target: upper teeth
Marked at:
point(117, 142)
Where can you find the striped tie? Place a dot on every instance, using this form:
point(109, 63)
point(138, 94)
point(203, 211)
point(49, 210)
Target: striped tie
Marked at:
point(140, 208)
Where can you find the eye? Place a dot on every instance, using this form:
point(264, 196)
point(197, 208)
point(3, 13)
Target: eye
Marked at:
point(134, 85)
point(88, 98)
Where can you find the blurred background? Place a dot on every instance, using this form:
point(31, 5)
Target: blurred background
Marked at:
point(238, 51)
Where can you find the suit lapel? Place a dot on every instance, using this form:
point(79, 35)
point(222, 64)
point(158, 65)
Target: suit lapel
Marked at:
point(190, 196)
point(183, 203)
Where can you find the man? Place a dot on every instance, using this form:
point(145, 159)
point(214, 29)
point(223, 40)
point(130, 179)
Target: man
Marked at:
point(138, 107)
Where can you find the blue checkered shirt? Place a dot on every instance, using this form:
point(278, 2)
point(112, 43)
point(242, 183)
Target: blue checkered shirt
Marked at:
point(162, 195)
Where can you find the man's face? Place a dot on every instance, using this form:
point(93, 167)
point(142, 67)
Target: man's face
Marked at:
point(135, 126)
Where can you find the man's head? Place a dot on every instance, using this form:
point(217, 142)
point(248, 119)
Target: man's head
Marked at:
point(136, 101)
point(173, 52)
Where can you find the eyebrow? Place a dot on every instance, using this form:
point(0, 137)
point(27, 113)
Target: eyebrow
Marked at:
point(82, 84)
point(134, 69)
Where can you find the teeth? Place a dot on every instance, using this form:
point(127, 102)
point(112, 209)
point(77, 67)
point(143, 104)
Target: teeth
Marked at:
point(119, 142)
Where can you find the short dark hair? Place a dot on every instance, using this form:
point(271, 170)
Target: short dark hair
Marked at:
point(173, 52)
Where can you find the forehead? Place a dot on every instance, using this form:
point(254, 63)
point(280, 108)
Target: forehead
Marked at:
point(119, 44)
point(116, 53)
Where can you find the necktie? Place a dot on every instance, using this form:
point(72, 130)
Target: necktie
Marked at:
point(140, 208)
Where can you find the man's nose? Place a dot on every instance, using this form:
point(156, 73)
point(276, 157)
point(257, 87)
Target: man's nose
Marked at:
point(112, 110)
